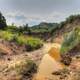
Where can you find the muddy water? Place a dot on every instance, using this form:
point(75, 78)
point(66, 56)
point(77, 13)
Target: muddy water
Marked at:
point(49, 63)
point(54, 52)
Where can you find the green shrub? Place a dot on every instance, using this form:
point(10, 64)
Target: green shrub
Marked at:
point(6, 35)
point(30, 42)
point(21, 40)
point(71, 40)
point(21, 68)
point(33, 43)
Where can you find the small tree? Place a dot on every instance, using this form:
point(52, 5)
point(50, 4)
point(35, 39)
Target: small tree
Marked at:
point(3, 24)
point(20, 30)
point(27, 29)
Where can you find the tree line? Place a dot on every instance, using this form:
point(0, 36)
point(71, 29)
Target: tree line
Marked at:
point(41, 28)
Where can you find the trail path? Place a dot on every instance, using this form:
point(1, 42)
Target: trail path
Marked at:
point(49, 62)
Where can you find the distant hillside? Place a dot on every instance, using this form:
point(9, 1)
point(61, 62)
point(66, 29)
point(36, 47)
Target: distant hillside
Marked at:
point(44, 27)
point(43, 30)
point(52, 30)
point(71, 22)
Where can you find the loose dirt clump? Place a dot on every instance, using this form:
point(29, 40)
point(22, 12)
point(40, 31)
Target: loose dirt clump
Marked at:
point(71, 72)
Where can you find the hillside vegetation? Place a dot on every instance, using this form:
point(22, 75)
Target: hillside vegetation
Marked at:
point(71, 40)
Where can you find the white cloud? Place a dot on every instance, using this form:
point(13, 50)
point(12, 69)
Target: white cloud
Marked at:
point(35, 11)
point(22, 18)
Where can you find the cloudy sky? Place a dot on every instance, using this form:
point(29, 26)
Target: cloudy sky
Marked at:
point(36, 11)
